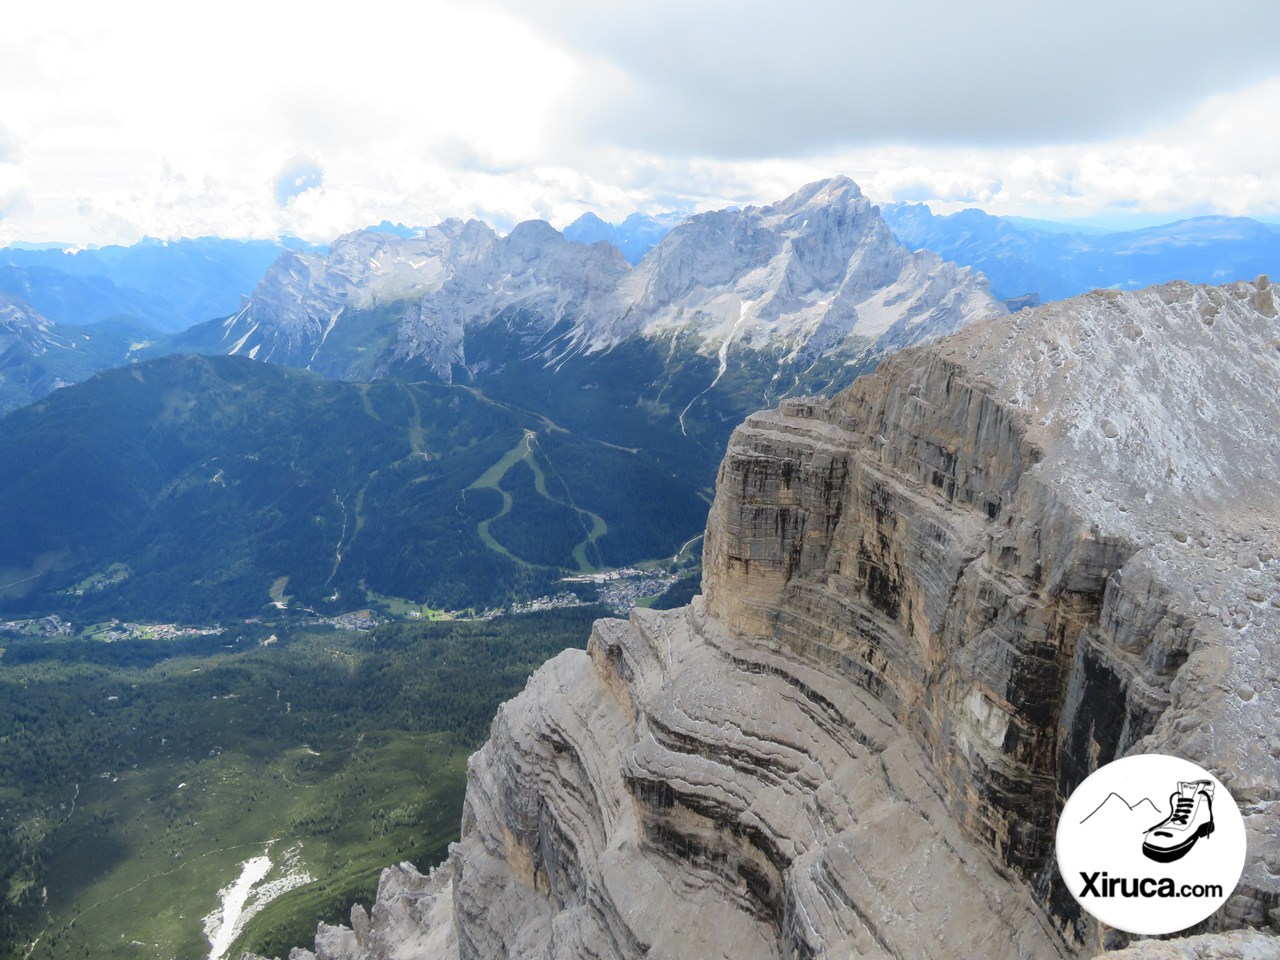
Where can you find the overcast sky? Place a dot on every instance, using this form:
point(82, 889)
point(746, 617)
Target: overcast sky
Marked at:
point(255, 119)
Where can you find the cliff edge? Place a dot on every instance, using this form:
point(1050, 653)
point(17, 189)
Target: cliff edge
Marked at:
point(932, 606)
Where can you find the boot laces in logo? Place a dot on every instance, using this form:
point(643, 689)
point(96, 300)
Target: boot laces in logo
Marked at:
point(1144, 864)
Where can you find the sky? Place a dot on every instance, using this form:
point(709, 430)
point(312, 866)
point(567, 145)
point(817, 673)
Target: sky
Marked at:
point(264, 119)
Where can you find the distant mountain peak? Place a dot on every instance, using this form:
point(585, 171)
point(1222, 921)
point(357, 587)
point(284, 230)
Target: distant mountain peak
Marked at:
point(814, 275)
point(635, 236)
point(816, 272)
point(590, 220)
point(832, 189)
point(396, 229)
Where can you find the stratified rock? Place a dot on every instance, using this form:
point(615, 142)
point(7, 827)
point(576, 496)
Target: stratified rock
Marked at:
point(932, 606)
point(1040, 550)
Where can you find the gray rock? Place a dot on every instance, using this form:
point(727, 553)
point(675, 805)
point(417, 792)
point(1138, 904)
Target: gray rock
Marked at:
point(932, 606)
point(1236, 945)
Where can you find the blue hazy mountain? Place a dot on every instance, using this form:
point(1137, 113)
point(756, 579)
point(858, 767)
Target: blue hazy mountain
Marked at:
point(66, 298)
point(37, 356)
point(168, 285)
point(635, 236)
point(1020, 259)
point(397, 229)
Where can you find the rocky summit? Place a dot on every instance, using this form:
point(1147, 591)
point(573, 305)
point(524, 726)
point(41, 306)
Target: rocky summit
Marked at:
point(816, 274)
point(931, 607)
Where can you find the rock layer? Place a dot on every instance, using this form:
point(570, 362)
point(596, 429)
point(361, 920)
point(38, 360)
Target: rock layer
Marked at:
point(1053, 544)
point(932, 606)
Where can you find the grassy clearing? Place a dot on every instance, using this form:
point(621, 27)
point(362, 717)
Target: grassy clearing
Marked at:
point(526, 451)
point(134, 789)
point(491, 479)
point(401, 608)
point(140, 863)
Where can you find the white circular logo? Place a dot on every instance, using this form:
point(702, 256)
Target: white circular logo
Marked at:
point(1151, 844)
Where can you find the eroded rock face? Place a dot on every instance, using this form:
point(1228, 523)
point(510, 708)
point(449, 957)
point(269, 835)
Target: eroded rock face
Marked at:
point(1052, 543)
point(932, 606)
point(411, 918)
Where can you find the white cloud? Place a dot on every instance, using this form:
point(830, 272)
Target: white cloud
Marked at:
point(14, 200)
point(155, 120)
point(752, 79)
point(1222, 157)
point(11, 150)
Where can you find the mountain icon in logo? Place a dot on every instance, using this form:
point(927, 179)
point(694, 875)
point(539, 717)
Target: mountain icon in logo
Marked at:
point(1117, 809)
point(1190, 818)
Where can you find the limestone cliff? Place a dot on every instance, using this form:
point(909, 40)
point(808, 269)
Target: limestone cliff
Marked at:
point(931, 607)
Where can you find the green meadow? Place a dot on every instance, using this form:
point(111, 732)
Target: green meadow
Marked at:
point(138, 778)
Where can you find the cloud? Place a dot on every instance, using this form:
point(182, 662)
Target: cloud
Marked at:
point(1020, 108)
point(10, 146)
point(736, 79)
point(15, 200)
point(16, 197)
point(296, 176)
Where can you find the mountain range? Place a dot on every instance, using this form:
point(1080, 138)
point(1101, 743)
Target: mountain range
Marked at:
point(538, 404)
point(815, 276)
point(153, 290)
point(167, 284)
point(1020, 259)
point(68, 314)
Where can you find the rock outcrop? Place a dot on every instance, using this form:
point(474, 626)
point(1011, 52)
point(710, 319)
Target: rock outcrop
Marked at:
point(932, 606)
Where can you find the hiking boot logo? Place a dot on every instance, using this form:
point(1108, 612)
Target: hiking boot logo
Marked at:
point(1190, 818)
point(1127, 857)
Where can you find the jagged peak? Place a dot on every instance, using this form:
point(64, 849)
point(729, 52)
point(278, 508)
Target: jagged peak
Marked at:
point(838, 189)
point(590, 219)
point(534, 232)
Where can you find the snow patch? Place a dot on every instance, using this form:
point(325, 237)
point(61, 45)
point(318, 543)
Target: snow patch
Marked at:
point(249, 894)
point(240, 343)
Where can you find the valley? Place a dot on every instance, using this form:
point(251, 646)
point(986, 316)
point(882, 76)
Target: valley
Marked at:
point(141, 776)
point(226, 488)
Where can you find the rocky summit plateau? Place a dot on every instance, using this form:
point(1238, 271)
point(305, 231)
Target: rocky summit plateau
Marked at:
point(931, 606)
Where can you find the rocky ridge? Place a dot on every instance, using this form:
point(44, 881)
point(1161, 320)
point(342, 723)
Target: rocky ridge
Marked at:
point(39, 355)
point(23, 328)
point(932, 606)
point(815, 275)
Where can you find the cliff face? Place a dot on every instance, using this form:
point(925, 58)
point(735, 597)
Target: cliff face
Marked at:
point(931, 607)
point(1040, 544)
